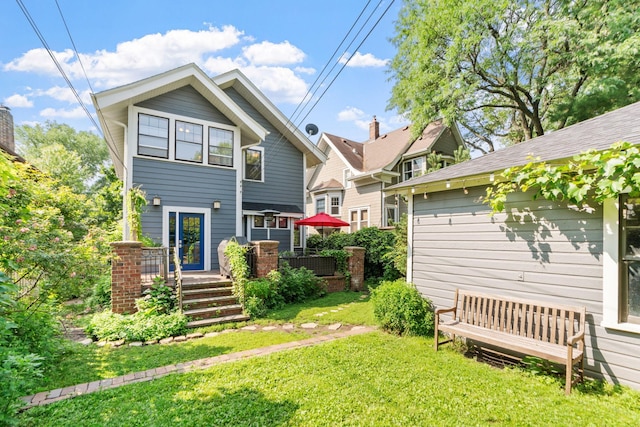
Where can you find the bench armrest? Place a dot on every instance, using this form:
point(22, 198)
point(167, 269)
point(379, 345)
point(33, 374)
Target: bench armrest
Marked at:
point(445, 310)
point(575, 338)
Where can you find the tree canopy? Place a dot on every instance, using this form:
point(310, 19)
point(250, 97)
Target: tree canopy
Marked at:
point(73, 158)
point(511, 70)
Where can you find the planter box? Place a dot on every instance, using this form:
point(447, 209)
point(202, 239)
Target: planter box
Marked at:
point(320, 265)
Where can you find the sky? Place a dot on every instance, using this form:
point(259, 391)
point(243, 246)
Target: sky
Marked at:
point(282, 46)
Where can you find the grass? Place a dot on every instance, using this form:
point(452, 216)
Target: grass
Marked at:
point(372, 379)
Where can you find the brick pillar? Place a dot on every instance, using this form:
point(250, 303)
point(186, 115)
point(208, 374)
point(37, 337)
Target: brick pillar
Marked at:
point(355, 266)
point(126, 283)
point(266, 252)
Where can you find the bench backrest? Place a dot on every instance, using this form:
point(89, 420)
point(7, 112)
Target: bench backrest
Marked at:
point(542, 321)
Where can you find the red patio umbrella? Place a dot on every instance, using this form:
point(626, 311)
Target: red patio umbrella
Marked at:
point(322, 220)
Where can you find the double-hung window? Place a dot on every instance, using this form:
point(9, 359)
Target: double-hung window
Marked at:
point(358, 219)
point(335, 205)
point(153, 136)
point(220, 147)
point(254, 164)
point(413, 168)
point(320, 205)
point(629, 295)
point(188, 141)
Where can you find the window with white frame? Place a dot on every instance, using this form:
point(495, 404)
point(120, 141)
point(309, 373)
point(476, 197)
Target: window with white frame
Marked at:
point(413, 168)
point(320, 205)
point(153, 136)
point(188, 141)
point(629, 293)
point(358, 219)
point(334, 205)
point(253, 164)
point(346, 182)
point(391, 214)
point(220, 147)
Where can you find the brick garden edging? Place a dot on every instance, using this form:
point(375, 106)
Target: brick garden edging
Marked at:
point(46, 397)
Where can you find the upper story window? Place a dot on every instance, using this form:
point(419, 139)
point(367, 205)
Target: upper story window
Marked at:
point(253, 164)
point(346, 174)
point(320, 205)
point(188, 142)
point(220, 147)
point(413, 168)
point(153, 136)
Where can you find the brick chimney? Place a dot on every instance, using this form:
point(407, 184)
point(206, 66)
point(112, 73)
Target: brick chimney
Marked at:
point(374, 129)
point(6, 129)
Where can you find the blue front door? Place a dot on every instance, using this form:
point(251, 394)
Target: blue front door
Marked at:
point(186, 233)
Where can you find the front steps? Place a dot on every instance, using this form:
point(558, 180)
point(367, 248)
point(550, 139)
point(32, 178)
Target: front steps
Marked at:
point(210, 302)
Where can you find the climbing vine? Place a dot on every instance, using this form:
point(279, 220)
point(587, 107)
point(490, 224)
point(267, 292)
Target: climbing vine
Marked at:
point(136, 201)
point(589, 176)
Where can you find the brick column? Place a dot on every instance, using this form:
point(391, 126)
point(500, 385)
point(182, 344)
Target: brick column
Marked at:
point(126, 283)
point(355, 266)
point(266, 256)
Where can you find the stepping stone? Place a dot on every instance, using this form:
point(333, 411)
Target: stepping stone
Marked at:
point(320, 314)
point(269, 328)
point(364, 296)
point(195, 335)
point(166, 340)
point(358, 328)
point(335, 311)
point(135, 344)
point(340, 308)
point(86, 341)
point(180, 338)
point(288, 326)
point(101, 343)
point(151, 342)
point(117, 343)
point(228, 331)
point(249, 328)
point(309, 325)
point(335, 326)
point(211, 334)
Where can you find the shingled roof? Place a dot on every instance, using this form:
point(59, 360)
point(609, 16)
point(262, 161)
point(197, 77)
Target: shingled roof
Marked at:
point(598, 133)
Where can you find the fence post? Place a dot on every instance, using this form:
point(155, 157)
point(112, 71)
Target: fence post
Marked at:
point(126, 272)
point(355, 266)
point(266, 252)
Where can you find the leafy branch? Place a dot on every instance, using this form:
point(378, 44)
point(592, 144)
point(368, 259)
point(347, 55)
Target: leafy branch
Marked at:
point(589, 176)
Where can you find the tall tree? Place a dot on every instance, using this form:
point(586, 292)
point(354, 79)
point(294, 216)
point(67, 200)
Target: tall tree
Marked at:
point(510, 70)
point(74, 158)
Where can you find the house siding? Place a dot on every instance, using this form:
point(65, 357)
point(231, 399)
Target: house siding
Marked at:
point(187, 102)
point(185, 185)
point(284, 168)
point(551, 253)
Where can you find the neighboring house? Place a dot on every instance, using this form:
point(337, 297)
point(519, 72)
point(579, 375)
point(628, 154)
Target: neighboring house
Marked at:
point(350, 184)
point(214, 156)
point(7, 141)
point(537, 249)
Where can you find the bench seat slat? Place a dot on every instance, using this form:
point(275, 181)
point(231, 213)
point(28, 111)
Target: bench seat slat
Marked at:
point(553, 352)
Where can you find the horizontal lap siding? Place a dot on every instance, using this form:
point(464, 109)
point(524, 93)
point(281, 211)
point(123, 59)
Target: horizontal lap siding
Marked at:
point(181, 184)
point(188, 102)
point(542, 250)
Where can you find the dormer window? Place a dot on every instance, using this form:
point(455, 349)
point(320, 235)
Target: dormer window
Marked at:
point(413, 168)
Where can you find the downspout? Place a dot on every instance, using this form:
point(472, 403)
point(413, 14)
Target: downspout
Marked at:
point(126, 231)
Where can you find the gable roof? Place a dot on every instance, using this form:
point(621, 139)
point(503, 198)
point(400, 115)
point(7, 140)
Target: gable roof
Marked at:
point(598, 133)
point(112, 106)
point(332, 184)
point(350, 151)
point(260, 102)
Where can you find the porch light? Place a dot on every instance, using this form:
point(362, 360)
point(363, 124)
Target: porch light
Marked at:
point(157, 201)
point(216, 204)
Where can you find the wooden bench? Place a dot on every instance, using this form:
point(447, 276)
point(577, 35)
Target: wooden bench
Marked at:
point(550, 331)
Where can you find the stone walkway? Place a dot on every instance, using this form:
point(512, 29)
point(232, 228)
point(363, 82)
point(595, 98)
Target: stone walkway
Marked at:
point(336, 331)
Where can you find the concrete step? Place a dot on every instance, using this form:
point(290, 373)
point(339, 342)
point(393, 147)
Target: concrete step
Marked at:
point(207, 313)
point(190, 294)
point(217, 320)
point(206, 284)
point(217, 301)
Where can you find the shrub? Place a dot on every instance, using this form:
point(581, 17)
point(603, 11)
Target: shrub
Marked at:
point(101, 293)
point(17, 375)
point(298, 284)
point(136, 327)
point(399, 308)
point(158, 299)
point(266, 290)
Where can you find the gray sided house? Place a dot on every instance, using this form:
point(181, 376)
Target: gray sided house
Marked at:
point(214, 156)
point(536, 249)
point(350, 184)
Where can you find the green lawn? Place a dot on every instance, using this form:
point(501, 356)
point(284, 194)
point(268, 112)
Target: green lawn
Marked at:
point(369, 380)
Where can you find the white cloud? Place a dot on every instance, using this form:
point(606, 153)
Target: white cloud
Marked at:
point(305, 70)
point(54, 113)
point(279, 84)
point(218, 65)
point(267, 53)
point(350, 114)
point(362, 60)
point(18, 101)
point(38, 61)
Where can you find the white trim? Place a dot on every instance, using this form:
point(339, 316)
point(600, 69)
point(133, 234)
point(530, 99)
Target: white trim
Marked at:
point(244, 164)
point(315, 204)
point(207, 228)
point(359, 210)
point(346, 181)
point(410, 240)
point(331, 195)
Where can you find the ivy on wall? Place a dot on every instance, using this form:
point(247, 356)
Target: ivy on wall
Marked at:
point(589, 176)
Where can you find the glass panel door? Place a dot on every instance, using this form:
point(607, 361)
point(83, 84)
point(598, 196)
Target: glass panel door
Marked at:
point(186, 236)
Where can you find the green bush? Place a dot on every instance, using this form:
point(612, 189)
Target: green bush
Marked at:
point(298, 284)
point(136, 327)
point(399, 308)
point(18, 373)
point(100, 294)
point(266, 290)
point(158, 299)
